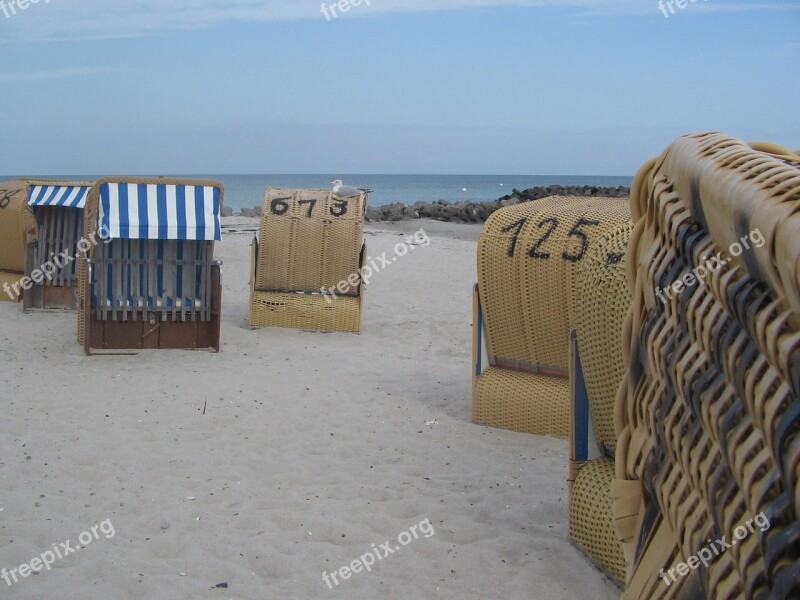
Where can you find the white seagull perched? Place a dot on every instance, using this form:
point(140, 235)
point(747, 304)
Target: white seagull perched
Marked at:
point(347, 191)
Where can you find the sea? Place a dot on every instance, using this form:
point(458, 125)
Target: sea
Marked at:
point(247, 191)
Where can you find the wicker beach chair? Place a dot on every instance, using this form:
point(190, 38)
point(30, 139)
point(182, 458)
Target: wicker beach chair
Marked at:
point(597, 367)
point(306, 266)
point(709, 411)
point(527, 259)
point(16, 219)
point(149, 279)
point(52, 247)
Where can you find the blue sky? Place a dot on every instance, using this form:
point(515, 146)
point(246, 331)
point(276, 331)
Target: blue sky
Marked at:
point(584, 87)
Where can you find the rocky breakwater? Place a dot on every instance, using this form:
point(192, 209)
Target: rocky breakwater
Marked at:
point(478, 212)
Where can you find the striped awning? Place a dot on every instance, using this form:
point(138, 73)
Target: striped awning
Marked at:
point(147, 211)
point(70, 196)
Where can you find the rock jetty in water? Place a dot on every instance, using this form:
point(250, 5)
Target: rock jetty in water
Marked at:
point(478, 212)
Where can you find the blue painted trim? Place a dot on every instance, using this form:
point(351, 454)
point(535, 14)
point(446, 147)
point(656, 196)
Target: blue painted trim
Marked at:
point(581, 411)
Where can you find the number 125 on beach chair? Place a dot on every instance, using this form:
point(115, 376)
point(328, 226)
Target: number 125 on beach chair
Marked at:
point(150, 280)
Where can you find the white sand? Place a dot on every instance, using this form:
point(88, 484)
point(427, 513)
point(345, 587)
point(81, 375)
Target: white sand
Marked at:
point(313, 447)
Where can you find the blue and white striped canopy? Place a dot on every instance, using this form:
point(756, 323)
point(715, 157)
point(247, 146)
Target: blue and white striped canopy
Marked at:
point(148, 211)
point(71, 196)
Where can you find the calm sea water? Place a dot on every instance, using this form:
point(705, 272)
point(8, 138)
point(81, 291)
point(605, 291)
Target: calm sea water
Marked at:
point(246, 191)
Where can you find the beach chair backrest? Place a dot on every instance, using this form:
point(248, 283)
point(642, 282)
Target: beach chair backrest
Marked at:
point(710, 407)
point(151, 256)
point(528, 255)
point(58, 206)
point(310, 240)
point(16, 219)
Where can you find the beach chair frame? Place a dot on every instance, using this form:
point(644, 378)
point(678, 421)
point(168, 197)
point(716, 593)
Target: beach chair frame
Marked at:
point(156, 318)
point(52, 242)
point(16, 220)
point(525, 385)
point(296, 290)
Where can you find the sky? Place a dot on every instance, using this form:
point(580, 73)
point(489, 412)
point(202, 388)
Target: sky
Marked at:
point(569, 87)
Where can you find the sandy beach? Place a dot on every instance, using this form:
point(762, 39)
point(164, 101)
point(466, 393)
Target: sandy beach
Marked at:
point(286, 456)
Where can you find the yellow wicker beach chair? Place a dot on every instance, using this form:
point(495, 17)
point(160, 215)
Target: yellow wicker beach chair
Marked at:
point(707, 494)
point(602, 300)
point(52, 249)
point(148, 278)
point(306, 267)
point(16, 219)
point(527, 258)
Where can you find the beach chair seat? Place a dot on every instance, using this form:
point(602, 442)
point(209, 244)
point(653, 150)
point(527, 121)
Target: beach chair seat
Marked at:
point(709, 409)
point(16, 220)
point(53, 246)
point(306, 263)
point(151, 280)
point(527, 259)
point(513, 399)
point(597, 367)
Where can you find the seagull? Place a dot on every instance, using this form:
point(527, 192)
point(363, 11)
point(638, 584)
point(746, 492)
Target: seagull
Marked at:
point(347, 191)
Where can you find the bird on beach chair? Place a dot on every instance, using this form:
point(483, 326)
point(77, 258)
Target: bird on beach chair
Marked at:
point(347, 191)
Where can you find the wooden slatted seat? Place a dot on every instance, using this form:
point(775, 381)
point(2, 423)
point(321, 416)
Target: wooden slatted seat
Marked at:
point(151, 281)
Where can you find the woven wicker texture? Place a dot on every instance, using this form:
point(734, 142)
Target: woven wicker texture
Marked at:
point(590, 523)
point(522, 401)
point(527, 258)
point(9, 294)
point(16, 219)
point(602, 300)
point(709, 412)
point(310, 239)
point(305, 311)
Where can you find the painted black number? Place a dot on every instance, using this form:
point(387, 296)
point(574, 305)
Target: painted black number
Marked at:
point(279, 206)
point(339, 209)
point(311, 203)
point(576, 231)
point(517, 227)
point(6, 196)
point(534, 252)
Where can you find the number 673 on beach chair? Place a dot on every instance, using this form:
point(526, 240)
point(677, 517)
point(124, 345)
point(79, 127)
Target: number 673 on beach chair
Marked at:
point(149, 278)
point(306, 268)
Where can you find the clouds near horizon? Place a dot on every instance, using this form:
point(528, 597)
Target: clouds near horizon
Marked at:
point(76, 19)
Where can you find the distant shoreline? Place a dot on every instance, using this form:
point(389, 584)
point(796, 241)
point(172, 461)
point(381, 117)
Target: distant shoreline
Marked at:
point(465, 211)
